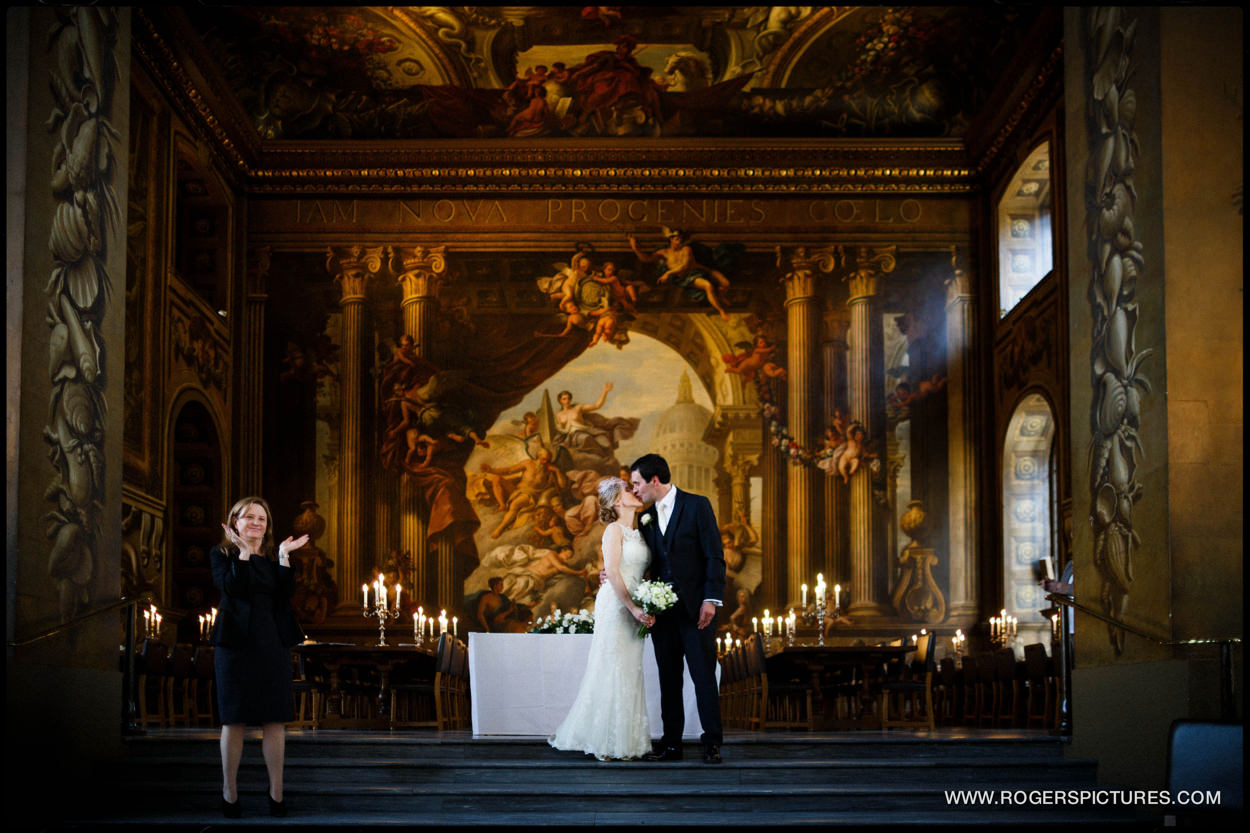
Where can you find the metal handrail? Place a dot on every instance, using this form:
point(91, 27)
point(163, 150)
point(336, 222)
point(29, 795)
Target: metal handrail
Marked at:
point(1068, 601)
point(1225, 643)
point(124, 601)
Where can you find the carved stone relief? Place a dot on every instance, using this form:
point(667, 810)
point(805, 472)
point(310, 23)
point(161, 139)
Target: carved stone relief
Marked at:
point(1116, 265)
point(84, 74)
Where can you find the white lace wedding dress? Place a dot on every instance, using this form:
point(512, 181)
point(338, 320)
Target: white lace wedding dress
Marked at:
point(608, 718)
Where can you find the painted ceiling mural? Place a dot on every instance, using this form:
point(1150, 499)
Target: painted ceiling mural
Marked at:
point(424, 72)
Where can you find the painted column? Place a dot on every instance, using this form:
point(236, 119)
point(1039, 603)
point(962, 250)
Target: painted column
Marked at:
point(251, 377)
point(418, 271)
point(836, 563)
point(865, 375)
point(961, 454)
point(354, 265)
point(804, 497)
point(773, 534)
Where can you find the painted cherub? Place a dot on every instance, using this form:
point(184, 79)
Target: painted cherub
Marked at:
point(854, 449)
point(573, 318)
point(607, 329)
point(754, 359)
point(905, 393)
point(622, 291)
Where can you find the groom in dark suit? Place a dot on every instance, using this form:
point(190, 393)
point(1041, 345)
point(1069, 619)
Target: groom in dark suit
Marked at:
point(681, 532)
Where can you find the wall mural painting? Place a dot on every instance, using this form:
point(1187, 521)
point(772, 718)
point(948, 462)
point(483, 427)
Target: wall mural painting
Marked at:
point(535, 71)
point(1116, 266)
point(533, 484)
point(497, 433)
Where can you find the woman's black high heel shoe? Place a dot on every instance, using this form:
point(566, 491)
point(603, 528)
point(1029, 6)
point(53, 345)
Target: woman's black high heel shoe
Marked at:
point(231, 810)
point(277, 808)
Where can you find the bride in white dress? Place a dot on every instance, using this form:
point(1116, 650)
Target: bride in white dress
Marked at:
point(608, 718)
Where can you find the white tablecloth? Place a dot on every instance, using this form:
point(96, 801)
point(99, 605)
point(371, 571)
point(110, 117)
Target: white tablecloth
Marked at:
point(524, 683)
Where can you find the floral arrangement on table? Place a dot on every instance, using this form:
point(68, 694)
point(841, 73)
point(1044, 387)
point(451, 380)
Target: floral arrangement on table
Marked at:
point(583, 621)
point(655, 597)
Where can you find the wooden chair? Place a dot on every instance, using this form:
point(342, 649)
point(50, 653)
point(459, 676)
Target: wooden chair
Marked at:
point(948, 692)
point(786, 693)
point(987, 691)
point(310, 693)
point(725, 692)
point(413, 699)
point(178, 682)
point(459, 670)
point(740, 696)
point(1006, 687)
point(152, 669)
point(913, 693)
point(1040, 687)
point(200, 686)
point(970, 676)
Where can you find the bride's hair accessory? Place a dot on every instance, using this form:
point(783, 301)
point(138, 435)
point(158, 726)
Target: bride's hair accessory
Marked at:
point(610, 489)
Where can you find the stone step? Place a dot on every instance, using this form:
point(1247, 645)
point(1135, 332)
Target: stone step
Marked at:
point(447, 746)
point(586, 771)
point(379, 778)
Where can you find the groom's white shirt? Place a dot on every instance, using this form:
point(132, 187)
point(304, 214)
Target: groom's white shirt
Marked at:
point(664, 511)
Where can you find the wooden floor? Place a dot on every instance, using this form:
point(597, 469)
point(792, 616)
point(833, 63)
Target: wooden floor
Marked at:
point(344, 779)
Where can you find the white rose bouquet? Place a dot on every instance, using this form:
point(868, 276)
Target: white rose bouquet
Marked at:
point(654, 597)
point(583, 621)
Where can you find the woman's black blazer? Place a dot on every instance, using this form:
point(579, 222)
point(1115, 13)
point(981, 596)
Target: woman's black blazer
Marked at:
point(234, 614)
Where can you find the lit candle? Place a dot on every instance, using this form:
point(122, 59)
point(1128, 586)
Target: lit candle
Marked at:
point(364, 592)
point(755, 624)
point(804, 589)
point(837, 595)
point(415, 625)
point(398, 589)
point(382, 589)
point(454, 630)
point(914, 638)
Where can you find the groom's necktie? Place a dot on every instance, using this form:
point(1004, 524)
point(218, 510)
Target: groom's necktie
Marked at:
point(666, 572)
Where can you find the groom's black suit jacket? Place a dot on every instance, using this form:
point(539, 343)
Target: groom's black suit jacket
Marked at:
point(691, 547)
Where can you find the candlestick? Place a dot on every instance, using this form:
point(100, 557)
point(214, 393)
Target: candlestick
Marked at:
point(380, 609)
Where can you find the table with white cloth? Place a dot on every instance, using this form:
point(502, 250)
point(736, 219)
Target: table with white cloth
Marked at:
point(525, 683)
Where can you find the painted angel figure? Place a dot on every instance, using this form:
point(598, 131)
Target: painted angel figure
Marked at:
point(849, 450)
point(754, 358)
point(905, 393)
point(622, 291)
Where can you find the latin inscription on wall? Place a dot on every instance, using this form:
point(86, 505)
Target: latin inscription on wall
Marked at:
point(626, 215)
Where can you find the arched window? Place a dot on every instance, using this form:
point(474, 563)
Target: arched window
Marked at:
point(1025, 248)
point(1029, 506)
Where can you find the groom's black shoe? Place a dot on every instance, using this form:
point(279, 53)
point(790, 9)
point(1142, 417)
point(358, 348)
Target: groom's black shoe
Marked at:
point(664, 753)
point(711, 755)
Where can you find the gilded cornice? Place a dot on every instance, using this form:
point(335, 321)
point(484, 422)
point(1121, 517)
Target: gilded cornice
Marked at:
point(728, 167)
point(155, 53)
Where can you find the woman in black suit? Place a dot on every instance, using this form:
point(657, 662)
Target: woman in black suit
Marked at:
point(253, 637)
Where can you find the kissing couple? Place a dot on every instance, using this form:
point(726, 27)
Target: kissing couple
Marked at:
point(652, 527)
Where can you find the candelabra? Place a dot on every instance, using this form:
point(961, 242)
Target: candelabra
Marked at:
point(383, 613)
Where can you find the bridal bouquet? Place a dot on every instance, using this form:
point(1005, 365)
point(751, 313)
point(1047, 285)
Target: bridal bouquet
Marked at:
point(655, 597)
point(583, 621)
